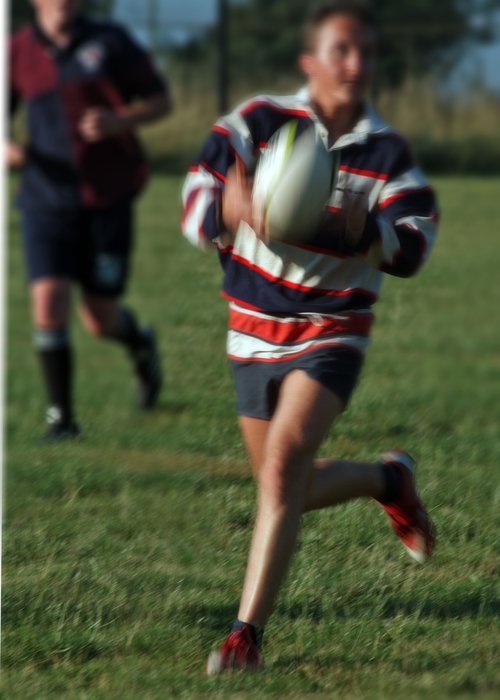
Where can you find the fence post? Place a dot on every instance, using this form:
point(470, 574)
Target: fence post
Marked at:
point(222, 67)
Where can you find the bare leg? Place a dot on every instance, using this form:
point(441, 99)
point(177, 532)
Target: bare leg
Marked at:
point(50, 302)
point(305, 411)
point(333, 481)
point(99, 315)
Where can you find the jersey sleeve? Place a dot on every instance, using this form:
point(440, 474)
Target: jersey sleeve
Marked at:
point(202, 191)
point(401, 229)
point(134, 71)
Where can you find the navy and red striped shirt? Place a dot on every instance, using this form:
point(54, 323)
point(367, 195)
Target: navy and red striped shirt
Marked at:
point(290, 298)
point(101, 67)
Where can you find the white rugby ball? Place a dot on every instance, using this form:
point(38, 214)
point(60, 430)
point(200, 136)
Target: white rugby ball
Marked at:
point(294, 180)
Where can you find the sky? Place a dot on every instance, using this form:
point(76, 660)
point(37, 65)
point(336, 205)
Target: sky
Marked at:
point(179, 18)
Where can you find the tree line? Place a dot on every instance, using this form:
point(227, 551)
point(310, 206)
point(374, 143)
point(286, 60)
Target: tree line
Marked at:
point(264, 35)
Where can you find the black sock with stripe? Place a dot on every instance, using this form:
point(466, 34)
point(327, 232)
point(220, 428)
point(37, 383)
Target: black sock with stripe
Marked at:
point(56, 360)
point(128, 331)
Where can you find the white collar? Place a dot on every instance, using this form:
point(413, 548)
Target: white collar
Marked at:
point(368, 123)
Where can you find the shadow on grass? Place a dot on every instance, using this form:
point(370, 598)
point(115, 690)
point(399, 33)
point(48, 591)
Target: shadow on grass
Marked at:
point(171, 408)
point(453, 608)
point(459, 607)
point(111, 482)
point(212, 617)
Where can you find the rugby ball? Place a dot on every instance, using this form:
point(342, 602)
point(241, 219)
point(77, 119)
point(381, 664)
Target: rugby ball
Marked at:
point(294, 179)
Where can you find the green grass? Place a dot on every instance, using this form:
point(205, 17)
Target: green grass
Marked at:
point(124, 552)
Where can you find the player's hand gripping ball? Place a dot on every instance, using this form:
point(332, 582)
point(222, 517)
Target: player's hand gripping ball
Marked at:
point(294, 180)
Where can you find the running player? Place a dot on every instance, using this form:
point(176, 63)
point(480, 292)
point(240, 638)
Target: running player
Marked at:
point(300, 315)
point(87, 86)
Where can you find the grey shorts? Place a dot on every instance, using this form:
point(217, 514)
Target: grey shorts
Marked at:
point(258, 383)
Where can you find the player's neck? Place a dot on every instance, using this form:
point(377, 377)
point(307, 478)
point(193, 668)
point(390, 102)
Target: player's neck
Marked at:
point(338, 119)
point(57, 33)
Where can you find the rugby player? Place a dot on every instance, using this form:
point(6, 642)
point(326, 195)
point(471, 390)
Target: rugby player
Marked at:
point(87, 86)
point(300, 314)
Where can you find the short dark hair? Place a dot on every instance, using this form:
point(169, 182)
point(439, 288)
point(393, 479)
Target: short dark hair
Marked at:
point(324, 10)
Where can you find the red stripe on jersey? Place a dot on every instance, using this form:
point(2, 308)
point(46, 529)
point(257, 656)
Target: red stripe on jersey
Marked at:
point(238, 301)
point(293, 355)
point(282, 110)
point(227, 249)
point(364, 173)
point(404, 193)
point(315, 249)
point(303, 288)
point(221, 130)
point(213, 172)
point(189, 204)
point(279, 332)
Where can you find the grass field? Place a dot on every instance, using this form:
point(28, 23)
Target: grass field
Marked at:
point(124, 552)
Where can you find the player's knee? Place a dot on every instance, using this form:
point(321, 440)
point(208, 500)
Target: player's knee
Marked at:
point(281, 475)
point(50, 300)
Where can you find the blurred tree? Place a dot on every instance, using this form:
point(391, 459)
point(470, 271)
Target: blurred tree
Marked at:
point(100, 8)
point(20, 13)
point(416, 35)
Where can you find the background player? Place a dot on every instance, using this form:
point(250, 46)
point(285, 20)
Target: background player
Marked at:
point(300, 316)
point(86, 86)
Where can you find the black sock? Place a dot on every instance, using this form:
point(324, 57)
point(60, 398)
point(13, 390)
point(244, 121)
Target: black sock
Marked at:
point(257, 633)
point(392, 483)
point(54, 352)
point(128, 332)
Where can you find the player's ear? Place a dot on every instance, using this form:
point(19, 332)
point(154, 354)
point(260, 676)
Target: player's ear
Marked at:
point(306, 62)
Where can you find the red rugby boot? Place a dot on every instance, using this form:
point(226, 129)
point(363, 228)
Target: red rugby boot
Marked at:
point(407, 513)
point(238, 653)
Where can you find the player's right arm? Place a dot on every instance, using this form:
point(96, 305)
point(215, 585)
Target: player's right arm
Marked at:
point(217, 193)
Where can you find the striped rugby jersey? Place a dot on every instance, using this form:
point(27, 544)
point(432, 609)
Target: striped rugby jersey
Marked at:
point(291, 298)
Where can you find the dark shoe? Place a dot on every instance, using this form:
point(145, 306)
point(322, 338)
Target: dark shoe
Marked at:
point(59, 430)
point(147, 370)
point(238, 653)
point(407, 513)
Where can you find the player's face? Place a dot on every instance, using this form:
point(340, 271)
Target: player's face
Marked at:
point(341, 65)
point(58, 12)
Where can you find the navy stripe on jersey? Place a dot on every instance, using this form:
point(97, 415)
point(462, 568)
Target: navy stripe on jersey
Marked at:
point(264, 120)
point(246, 286)
point(216, 155)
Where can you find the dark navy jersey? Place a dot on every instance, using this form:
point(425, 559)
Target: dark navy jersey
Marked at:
point(101, 67)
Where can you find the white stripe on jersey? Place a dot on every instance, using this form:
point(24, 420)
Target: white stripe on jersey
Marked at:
point(305, 268)
point(413, 179)
point(245, 347)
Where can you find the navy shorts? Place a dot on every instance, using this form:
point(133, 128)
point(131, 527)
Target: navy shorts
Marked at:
point(258, 383)
point(90, 246)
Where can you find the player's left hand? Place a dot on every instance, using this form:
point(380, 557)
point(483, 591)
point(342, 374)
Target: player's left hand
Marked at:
point(99, 123)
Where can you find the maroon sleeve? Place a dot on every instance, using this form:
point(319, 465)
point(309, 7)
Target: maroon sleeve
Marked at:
point(14, 95)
